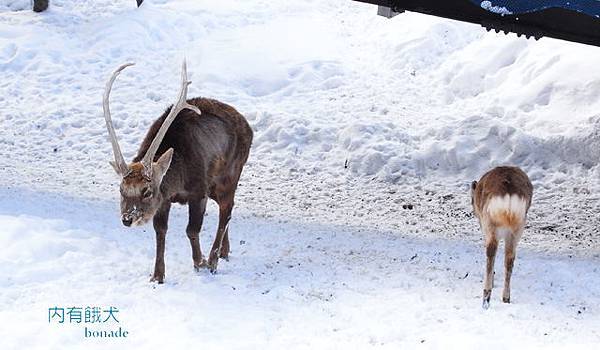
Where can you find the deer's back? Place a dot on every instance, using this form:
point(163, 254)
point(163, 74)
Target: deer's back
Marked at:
point(206, 146)
point(501, 182)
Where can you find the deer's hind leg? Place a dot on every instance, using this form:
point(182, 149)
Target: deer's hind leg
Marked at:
point(225, 245)
point(224, 198)
point(491, 246)
point(197, 208)
point(510, 253)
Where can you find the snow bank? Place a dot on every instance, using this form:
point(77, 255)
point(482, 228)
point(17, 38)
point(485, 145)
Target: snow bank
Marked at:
point(334, 94)
point(327, 87)
point(337, 97)
point(15, 5)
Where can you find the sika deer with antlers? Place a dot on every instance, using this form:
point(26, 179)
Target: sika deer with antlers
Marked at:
point(501, 200)
point(194, 151)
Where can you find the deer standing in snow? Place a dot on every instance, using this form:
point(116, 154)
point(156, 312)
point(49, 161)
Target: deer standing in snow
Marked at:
point(501, 200)
point(194, 151)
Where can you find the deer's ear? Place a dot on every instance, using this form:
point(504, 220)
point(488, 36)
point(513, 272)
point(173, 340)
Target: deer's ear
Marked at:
point(473, 185)
point(160, 167)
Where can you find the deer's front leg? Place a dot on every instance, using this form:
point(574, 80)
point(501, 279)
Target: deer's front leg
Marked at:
point(160, 221)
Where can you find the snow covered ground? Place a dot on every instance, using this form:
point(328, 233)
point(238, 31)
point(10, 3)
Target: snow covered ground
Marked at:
point(357, 119)
point(288, 284)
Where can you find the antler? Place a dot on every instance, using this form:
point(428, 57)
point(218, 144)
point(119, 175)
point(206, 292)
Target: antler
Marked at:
point(119, 160)
point(175, 109)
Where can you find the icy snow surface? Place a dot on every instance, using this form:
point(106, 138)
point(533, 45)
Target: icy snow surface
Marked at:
point(352, 226)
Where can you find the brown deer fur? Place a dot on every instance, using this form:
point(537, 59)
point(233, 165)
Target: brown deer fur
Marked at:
point(501, 200)
point(197, 154)
point(209, 152)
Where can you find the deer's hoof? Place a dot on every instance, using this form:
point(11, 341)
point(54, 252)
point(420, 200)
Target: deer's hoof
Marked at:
point(506, 300)
point(213, 261)
point(486, 298)
point(158, 279)
point(200, 265)
point(212, 265)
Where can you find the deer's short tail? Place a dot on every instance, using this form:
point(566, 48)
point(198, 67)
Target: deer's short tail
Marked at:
point(508, 211)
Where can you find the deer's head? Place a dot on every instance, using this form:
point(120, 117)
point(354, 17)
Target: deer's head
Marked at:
point(140, 181)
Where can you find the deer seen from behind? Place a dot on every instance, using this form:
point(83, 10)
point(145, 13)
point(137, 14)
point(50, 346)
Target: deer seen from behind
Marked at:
point(501, 200)
point(196, 150)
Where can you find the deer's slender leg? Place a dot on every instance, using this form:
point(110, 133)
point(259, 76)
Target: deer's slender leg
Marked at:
point(160, 222)
point(225, 207)
point(196, 217)
point(510, 250)
point(491, 246)
point(225, 246)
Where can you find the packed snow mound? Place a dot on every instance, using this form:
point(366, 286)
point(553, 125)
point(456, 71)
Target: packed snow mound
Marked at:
point(410, 98)
point(15, 5)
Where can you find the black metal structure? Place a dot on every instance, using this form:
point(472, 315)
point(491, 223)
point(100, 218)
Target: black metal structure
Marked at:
point(40, 5)
point(570, 24)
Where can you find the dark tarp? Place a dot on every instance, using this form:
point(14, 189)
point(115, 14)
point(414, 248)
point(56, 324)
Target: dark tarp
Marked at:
point(573, 20)
point(589, 7)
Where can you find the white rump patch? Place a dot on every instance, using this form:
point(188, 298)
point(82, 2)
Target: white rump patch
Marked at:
point(514, 204)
